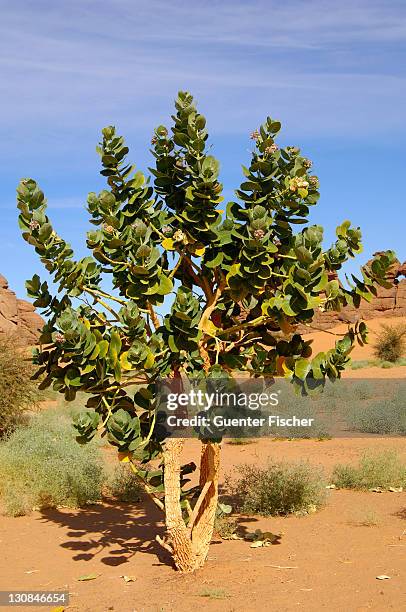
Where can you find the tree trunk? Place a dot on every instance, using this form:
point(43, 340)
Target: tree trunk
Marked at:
point(178, 537)
point(202, 529)
point(189, 545)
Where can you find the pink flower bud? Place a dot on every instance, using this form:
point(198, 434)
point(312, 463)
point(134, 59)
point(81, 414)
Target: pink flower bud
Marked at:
point(258, 234)
point(34, 225)
point(271, 149)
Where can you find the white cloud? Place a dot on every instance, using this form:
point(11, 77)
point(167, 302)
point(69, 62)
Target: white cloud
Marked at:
point(318, 65)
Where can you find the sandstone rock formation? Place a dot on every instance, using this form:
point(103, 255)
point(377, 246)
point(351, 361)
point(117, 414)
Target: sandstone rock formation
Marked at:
point(18, 317)
point(388, 303)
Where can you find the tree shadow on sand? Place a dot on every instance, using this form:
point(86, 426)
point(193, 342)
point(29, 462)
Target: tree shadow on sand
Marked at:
point(114, 532)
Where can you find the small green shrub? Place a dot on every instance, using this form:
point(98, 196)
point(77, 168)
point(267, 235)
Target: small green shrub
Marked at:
point(225, 526)
point(385, 416)
point(214, 593)
point(361, 390)
point(378, 363)
point(42, 466)
point(17, 391)
point(385, 365)
point(381, 470)
point(346, 477)
point(123, 485)
point(317, 407)
point(390, 343)
point(278, 488)
point(358, 365)
point(366, 518)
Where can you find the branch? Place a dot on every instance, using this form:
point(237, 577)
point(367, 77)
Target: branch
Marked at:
point(154, 317)
point(201, 281)
point(279, 275)
point(211, 304)
point(148, 490)
point(127, 383)
point(94, 293)
point(175, 269)
point(96, 312)
point(111, 261)
point(164, 544)
point(197, 507)
point(326, 331)
point(103, 294)
point(239, 343)
point(263, 319)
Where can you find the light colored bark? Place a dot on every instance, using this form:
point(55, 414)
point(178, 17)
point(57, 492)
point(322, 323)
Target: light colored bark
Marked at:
point(178, 537)
point(190, 544)
point(202, 529)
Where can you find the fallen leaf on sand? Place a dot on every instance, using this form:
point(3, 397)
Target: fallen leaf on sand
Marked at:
point(58, 609)
point(128, 578)
point(283, 566)
point(88, 577)
point(262, 538)
point(383, 577)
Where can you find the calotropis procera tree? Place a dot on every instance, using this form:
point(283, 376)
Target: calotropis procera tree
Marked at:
point(237, 280)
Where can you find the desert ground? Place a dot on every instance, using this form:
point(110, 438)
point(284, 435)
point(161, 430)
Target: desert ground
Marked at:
point(329, 560)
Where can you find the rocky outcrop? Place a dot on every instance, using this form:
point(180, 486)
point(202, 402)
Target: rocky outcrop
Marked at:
point(18, 317)
point(387, 303)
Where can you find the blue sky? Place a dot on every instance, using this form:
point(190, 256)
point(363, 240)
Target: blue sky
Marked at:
point(332, 72)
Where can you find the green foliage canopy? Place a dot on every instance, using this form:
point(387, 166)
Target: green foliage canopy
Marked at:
point(241, 277)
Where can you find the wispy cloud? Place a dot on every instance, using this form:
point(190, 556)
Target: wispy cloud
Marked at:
point(332, 72)
point(319, 65)
point(292, 24)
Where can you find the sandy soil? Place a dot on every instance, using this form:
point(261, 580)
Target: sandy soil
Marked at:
point(377, 373)
point(324, 561)
point(322, 341)
point(334, 558)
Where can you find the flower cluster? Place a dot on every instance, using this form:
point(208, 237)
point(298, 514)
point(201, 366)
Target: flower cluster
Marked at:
point(258, 234)
point(298, 183)
point(179, 236)
point(34, 225)
point(271, 149)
